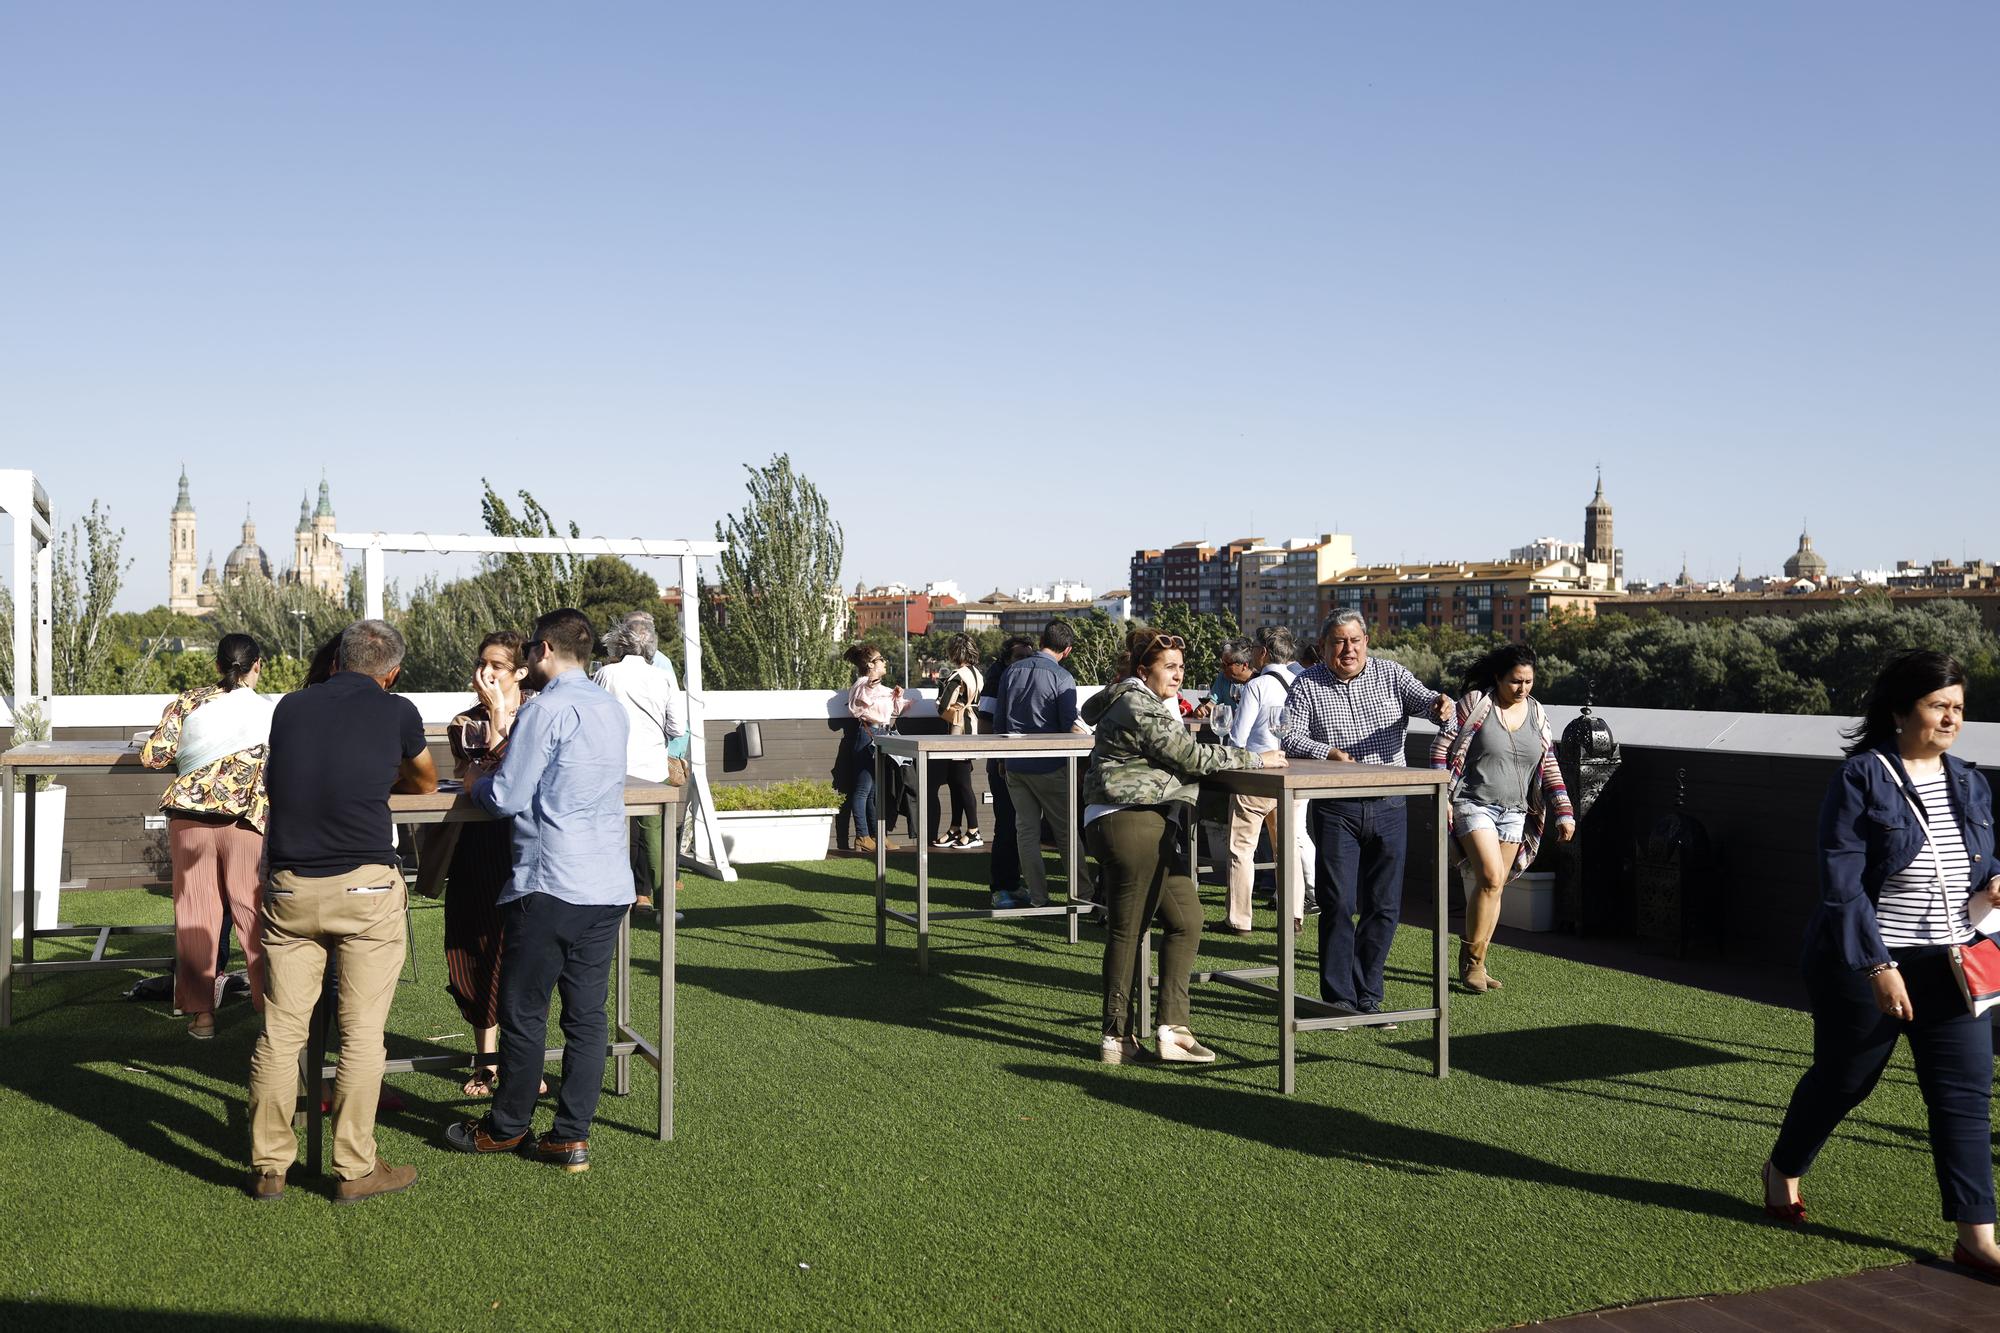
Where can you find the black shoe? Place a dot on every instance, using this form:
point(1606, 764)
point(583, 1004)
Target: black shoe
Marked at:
point(473, 1136)
point(572, 1155)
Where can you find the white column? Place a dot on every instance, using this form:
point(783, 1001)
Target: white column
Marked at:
point(371, 581)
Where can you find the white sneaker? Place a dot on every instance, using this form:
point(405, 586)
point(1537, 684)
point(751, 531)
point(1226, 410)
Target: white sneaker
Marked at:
point(1120, 1050)
point(1178, 1046)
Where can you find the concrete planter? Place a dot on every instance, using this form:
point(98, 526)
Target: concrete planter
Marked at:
point(50, 806)
point(751, 836)
point(1529, 903)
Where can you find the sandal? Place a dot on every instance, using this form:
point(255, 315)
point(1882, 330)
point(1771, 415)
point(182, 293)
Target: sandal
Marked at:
point(479, 1085)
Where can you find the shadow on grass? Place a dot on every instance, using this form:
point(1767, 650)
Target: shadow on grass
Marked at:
point(65, 1315)
point(1338, 1134)
point(1575, 1052)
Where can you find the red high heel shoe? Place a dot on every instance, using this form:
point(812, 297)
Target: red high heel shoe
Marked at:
point(1965, 1258)
point(1790, 1214)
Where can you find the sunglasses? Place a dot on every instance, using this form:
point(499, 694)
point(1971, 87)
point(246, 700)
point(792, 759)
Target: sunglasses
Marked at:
point(532, 649)
point(1173, 641)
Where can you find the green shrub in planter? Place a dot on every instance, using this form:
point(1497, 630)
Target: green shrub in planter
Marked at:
point(802, 794)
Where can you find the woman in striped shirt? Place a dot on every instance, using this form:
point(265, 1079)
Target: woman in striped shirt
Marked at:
point(1906, 851)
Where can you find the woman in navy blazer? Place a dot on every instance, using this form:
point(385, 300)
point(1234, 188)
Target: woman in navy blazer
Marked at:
point(1866, 993)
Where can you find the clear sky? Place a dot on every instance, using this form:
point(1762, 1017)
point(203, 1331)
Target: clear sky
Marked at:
point(1022, 287)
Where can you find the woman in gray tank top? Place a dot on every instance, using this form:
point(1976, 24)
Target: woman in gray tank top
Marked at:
point(1504, 776)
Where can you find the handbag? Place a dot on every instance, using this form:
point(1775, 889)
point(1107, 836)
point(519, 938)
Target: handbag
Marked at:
point(1976, 966)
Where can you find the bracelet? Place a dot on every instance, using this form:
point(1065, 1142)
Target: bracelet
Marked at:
point(1879, 968)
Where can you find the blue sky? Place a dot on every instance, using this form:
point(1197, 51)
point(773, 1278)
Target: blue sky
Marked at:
point(1020, 287)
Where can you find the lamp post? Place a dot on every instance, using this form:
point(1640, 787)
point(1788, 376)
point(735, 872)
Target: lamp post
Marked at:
point(300, 617)
point(906, 638)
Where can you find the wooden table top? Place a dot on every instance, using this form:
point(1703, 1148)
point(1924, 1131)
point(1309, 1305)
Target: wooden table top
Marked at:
point(1057, 743)
point(1329, 776)
point(453, 798)
point(73, 754)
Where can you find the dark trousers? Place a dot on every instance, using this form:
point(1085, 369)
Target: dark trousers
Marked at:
point(553, 945)
point(955, 774)
point(1005, 864)
point(1361, 847)
point(649, 852)
point(863, 800)
point(1142, 863)
point(1852, 1043)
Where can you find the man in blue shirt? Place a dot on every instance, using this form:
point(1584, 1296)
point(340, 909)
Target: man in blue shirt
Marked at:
point(1037, 697)
point(561, 780)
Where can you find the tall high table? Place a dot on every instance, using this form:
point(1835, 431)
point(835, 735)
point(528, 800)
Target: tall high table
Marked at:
point(641, 798)
point(922, 751)
point(1320, 779)
point(38, 759)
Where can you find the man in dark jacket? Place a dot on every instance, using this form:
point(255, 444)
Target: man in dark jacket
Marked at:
point(1037, 697)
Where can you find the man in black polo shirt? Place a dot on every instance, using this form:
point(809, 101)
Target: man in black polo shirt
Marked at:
point(337, 750)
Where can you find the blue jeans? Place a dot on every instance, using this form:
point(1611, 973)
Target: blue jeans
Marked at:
point(1361, 851)
point(1852, 1041)
point(863, 800)
point(566, 947)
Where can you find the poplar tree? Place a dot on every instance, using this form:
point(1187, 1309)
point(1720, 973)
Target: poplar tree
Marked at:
point(775, 618)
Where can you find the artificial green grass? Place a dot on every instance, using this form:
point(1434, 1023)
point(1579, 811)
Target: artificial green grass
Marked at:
point(859, 1145)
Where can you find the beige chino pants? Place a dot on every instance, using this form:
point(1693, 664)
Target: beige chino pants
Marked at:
point(357, 918)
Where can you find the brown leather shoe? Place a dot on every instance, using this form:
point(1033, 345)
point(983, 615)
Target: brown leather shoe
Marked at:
point(265, 1186)
point(572, 1155)
point(384, 1179)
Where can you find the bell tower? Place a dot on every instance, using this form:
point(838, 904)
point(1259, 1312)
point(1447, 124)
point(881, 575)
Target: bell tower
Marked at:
point(182, 582)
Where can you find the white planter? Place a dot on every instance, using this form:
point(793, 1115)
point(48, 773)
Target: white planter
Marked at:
point(750, 836)
point(1529, 903)
point(49, 808)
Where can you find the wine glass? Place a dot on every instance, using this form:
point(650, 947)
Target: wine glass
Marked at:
point(473, 738)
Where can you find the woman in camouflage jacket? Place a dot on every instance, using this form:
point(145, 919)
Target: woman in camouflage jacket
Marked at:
point(1139, 797)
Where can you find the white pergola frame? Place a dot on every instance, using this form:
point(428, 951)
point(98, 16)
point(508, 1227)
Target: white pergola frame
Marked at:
point(373, 545)
point(23, 500)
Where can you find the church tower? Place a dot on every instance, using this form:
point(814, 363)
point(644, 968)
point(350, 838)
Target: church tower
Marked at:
point(328, 568)
point(1598, 546)
point(302, 543)
point(182, 584)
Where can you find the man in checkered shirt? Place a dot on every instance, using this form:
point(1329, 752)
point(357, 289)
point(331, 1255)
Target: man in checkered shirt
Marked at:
point(1354, 707)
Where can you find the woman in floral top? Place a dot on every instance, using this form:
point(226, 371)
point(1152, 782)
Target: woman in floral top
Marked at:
point(215, 739)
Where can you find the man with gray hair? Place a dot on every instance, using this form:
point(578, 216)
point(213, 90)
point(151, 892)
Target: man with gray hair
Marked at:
point(653, 711)
point(1356, 708)
point(335, 890)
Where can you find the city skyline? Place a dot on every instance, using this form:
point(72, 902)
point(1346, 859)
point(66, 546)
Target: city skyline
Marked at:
point(1021, 290)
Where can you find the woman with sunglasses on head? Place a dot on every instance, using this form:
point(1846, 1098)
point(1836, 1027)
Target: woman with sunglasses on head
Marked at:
point(874, 708)
point(482, 859)
point(1139, 797)
point(1504, 779)
point(1906, 862)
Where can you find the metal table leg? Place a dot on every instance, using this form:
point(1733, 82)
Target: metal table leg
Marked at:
point(28, 876)
point(670, 867)
point(920, 826)
point(881, 874)
point(1075, 862)
point(622, 1064)
point(7, 891)
point(1440, 959)
point(1289, 901)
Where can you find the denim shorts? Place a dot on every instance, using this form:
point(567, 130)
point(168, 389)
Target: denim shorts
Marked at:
point(1507, 825)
